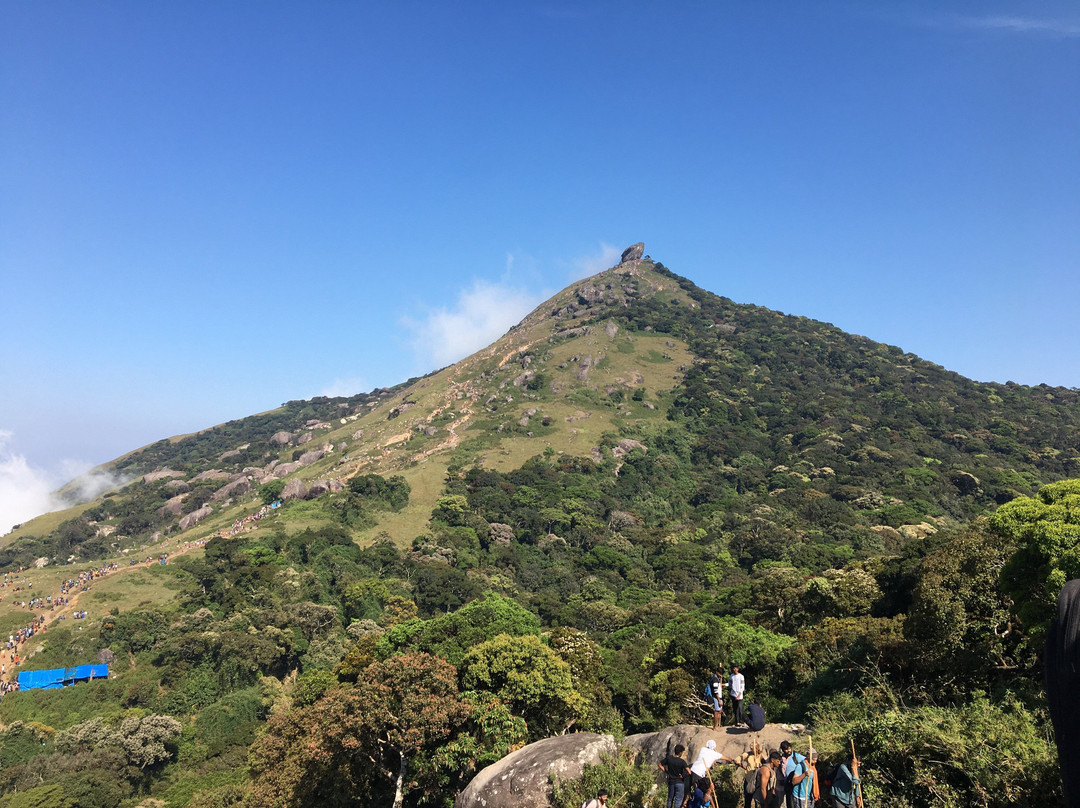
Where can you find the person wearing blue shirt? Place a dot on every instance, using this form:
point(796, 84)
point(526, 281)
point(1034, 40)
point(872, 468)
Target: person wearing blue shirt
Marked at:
point(802, 781)
point(845, 785)
point(794, 765)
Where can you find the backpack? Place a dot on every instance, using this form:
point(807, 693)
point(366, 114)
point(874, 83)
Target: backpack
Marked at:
point(704, 802)
point(800, 767)
point(707, 692)
point(829, 774)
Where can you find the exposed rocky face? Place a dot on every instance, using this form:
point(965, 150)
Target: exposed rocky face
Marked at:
point(633, 252)
point(195, 517)
point(522, 778)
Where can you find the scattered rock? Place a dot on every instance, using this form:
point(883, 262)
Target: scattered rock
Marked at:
point(611, 329)
point(281, 438)
point(307, 437)
point(285, 468)
point(358, 434)
point(177, 485)
point(966, 484)
point(584, 366)
point(501, 534)
point(551, 540)
point(625, 446)
point(891, 535)
point(919, 531)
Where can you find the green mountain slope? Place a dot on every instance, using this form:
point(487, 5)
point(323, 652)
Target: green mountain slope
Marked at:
point(569, 529)
point(830, 431)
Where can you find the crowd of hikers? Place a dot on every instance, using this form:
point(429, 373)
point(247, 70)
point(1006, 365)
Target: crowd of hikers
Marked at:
point(10, 652)
point(245, 522)
point(781, 778)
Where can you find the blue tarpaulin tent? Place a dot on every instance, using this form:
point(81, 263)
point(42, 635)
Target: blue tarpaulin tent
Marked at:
point(59, 677)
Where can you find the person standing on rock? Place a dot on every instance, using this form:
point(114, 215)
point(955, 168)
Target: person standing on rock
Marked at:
point(678, 771)
point(716, 688)
point(737, 689)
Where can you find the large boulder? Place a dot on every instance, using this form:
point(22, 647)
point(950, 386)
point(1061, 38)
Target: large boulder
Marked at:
point(522, 779)
point(240, 486)
point(280, 438)
point(652, 747)
point(211, 474)
point(294, 489)
point(162, 474)
point(174, 505)
point(195, 517)
point(307, 458)
point(633, 252)
point(320, 487)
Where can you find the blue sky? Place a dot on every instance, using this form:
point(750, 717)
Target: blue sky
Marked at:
point(209, 208)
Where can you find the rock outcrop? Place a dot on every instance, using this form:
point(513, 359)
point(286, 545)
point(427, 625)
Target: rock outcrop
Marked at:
point(173, 505)
point(162, 474)
point(195, 517)
point(240, 486)
point(281, 438)
point(294, 489)
point(522, 778)
point(633, 252)
point(211, 474)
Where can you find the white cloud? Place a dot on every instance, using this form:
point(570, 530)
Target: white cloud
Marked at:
point(345, 387)
point(486, 310)
point(605, 258)
point(1023, 25)
point(1029, 26)
point(27, 491)
point(481, 315)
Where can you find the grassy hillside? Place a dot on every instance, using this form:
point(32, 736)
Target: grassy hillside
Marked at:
point(638, 482)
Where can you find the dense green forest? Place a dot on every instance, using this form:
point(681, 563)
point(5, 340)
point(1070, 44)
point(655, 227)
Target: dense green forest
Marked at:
point(875, 541)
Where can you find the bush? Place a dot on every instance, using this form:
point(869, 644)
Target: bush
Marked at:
point(627, 784)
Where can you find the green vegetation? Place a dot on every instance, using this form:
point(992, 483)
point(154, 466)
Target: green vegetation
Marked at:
point(877, 542)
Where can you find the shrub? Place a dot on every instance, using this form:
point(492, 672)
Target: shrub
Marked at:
point(627, 784)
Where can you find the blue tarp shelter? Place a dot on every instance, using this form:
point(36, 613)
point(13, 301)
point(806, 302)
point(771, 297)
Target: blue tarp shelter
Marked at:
point(59, 677)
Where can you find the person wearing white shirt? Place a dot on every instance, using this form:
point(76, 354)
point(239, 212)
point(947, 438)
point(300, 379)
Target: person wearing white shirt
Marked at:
point(737, 689)
point(705, 759)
